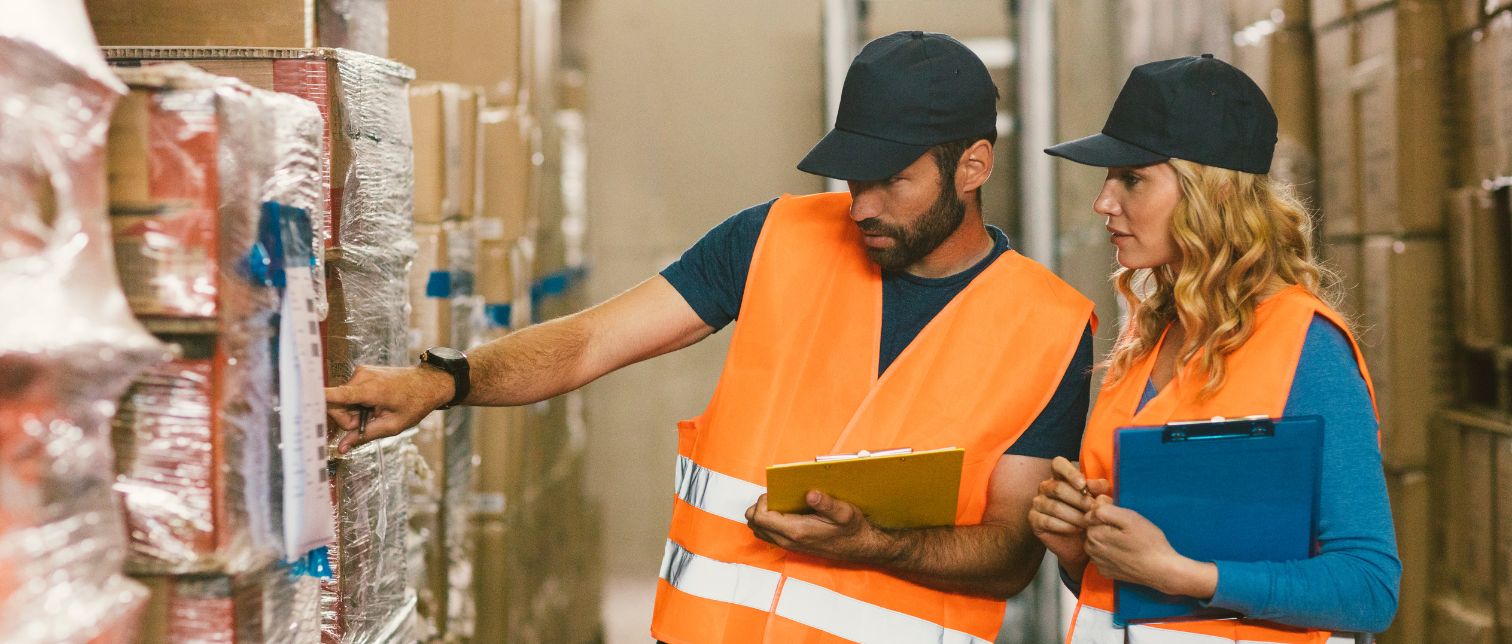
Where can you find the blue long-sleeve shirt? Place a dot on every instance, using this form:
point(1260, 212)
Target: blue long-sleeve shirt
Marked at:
point(1352, 584)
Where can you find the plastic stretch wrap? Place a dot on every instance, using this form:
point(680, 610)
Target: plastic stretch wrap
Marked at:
point(467, 330)
point(68, 344)
point(195, 438)
point(368, 145)
point(421, 534)
point(456, 522)
point(298, 171)
point(368, 598)
point(265, 607)
point(368, 323)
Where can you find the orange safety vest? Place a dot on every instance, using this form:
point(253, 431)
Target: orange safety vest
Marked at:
point(801, 380)
point(1260, 376)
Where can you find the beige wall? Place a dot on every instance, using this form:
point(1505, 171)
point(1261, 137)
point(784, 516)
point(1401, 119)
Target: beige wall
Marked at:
point(695, 111)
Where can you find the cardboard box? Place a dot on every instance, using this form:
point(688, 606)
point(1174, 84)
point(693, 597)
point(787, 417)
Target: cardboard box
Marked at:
point(447, 141)
point(163, 170)
point(1473, 507)
point(1280, 60)
point(499, 444)
point(1326, 13)
point(1503, 528)
point(1343, 257)
point(504, 276)
point(360, 25)
point(363, 101)
point(1404, 334)
point(1480, 238)
point(492, 584)
point(266, 606)
point(468, 42)
point(1410, 509)
point(1482, 85)
point(1385, 153)
point(1462, 16)
point(511, 164)
point(1290, 14)
point(429, 317)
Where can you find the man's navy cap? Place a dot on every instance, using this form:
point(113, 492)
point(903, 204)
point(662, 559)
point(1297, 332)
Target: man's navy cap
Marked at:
point(904, 94)
point(1197, 108)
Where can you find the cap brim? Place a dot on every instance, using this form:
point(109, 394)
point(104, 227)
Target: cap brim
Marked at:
point(1105, 151)
point(850, 156)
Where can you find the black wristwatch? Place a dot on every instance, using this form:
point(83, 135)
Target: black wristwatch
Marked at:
point(453, 362)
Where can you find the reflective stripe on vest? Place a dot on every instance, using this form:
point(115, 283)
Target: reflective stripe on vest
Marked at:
point(1095, 626)
point(718, 494)
point(808, 604)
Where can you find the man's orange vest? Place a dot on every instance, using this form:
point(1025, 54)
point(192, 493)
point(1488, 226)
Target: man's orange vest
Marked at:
point(801, 380)
point(1259, 381)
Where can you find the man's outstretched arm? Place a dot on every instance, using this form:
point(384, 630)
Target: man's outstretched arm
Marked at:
point(997, 558)
point(529, 365)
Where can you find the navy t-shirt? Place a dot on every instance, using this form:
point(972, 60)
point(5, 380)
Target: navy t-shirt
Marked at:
point(711, 276)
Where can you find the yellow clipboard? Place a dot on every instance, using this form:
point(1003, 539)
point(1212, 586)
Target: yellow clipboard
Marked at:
point(894, 488)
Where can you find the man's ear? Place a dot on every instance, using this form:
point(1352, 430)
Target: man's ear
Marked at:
point(974, 167)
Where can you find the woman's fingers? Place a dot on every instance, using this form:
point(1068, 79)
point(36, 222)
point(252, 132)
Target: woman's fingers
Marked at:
point(1060, 510)
point(1067, 471)
point(1046, 523)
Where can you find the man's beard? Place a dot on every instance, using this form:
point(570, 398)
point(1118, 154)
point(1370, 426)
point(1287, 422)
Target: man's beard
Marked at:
point(911, 245)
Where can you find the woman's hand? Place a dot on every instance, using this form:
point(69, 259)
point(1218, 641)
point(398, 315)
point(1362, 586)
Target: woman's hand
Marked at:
point(1058, 514)
point(1127, 547)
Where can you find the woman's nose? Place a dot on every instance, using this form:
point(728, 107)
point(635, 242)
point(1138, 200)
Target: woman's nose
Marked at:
point(1105, 205)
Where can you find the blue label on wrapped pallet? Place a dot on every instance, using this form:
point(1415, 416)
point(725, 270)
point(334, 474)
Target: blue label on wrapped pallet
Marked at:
point(498, 314)
point(448, 284)
point(316, 564)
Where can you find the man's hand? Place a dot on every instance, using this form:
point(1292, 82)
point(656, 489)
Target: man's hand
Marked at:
point(396, 398)
point(1125, 546)
point(836, 530)
point(1058, 514)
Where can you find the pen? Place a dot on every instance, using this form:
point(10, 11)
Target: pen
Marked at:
point(362, 420)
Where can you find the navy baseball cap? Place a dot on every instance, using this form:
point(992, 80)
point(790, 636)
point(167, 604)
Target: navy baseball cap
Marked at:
point(904, 93)
point(1197, 108)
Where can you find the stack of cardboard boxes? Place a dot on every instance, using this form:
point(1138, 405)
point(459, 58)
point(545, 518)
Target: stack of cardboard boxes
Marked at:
point(1384, 154)
point(1472, 591)
point(445, 312)
point(361, 174)
point(1273, 44)
point(528, 520)
point(193, 161)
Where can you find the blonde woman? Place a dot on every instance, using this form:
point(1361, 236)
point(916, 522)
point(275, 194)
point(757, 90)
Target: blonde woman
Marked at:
point(1228, 317)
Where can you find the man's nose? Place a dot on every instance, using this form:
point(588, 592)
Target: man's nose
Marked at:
point(866, 201)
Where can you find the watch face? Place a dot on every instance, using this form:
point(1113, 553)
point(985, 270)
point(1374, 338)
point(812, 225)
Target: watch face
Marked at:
point(446, 354)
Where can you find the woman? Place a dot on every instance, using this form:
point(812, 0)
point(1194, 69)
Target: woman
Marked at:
point(1227, 318)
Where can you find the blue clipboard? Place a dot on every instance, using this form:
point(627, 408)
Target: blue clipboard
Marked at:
point(1221, 490)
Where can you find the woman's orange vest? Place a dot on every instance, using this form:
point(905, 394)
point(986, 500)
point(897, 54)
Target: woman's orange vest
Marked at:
point(1259, 381)
point(801, 380)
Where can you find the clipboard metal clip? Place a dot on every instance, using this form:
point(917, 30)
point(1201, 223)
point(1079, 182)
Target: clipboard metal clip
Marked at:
point(863, 454)
point(1258, 426)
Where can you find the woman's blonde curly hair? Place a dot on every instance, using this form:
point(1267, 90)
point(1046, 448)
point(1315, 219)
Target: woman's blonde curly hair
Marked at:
point(1241, 236)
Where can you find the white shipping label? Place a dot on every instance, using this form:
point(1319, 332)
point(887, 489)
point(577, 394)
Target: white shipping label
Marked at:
point(307, 497)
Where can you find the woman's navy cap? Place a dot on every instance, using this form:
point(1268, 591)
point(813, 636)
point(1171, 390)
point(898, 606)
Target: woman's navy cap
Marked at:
point(1197, 108)
point(904, 93)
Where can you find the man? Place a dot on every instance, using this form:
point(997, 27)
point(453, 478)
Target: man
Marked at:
point(887, 317)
